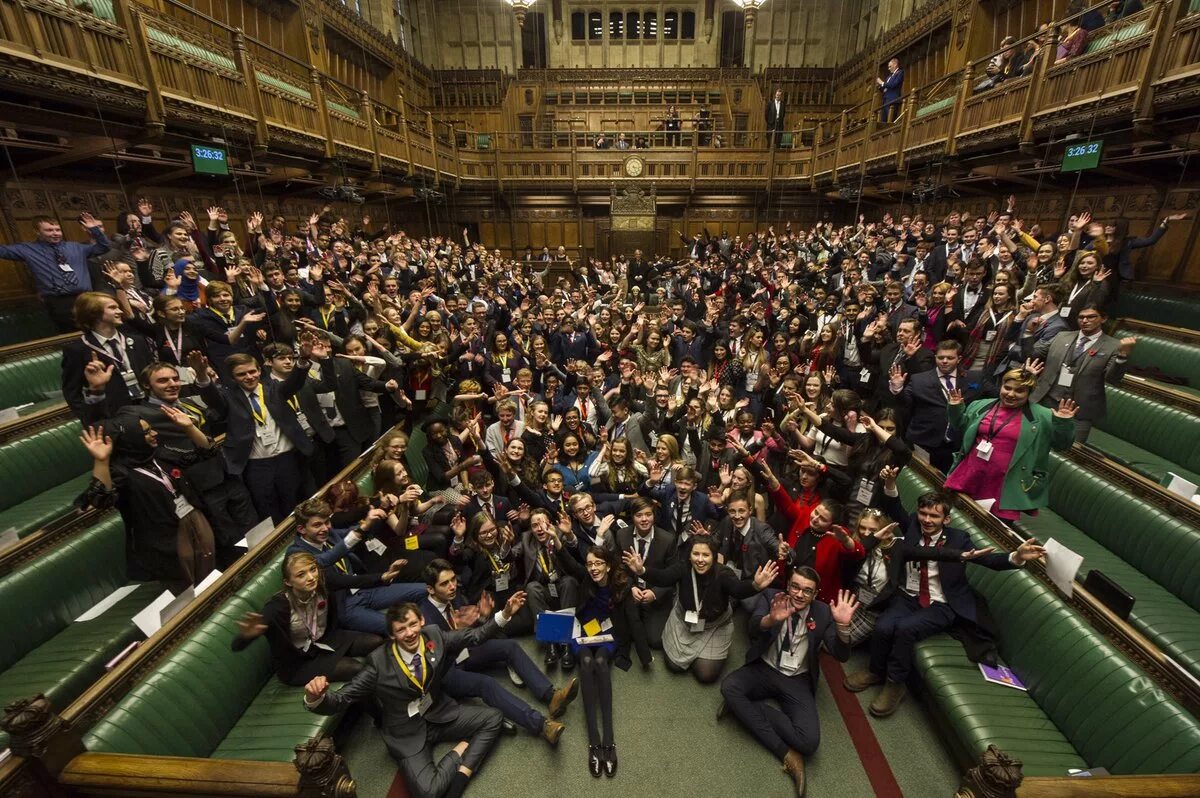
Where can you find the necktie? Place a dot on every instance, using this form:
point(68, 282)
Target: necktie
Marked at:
point(450, 618)
point(417, 671)
point(923, 588)
point(949, 383)
point(256, 406)
point(1079, 347)
point(641, 548)
point(60, 255)
point(115, 348)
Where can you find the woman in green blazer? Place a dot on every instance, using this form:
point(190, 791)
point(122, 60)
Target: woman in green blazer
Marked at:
point(1006, 445)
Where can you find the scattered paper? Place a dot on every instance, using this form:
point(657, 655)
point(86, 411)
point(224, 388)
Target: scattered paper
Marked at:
point(176, 604)
point(1180, 486)
point(148, 619)
point(986, 504)
point(9, 537)
point(256, 533)
point(375, 545)
point(106, 603)
point(125, 652)
point(207, 581)
point(9, 414)
point(1062, 565)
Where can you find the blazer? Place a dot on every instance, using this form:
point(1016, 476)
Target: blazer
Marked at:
point(663, 553)
point(501, 507)
point(775, 119)
point(240, 432)
point(951, 573)
point(1098, 365)
point(702, 508)
point(894, 565)
point(382, 679)
point(924, 399)
point(822, 631)
point(347, 381)
point(750, 553)
point(893, 86)
point(78, 353)
point(1026, 344)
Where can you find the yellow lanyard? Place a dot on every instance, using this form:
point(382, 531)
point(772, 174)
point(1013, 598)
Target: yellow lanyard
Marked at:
point(340, 564)
point(229, 320)
point(325, 317)
point(497, 566)
point(404, 666)
point(544, 562)
point(503, 360)
point(260, 415)
point(294, 403)
point(196, 413)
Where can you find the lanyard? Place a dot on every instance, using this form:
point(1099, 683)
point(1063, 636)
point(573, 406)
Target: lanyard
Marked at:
point(196, 413)
point(544, 561)
point(340, 564)
point(123, 361)
point(420, 685)
point(997, 322)
point(1076, 291)
point(260, 415)
point(161, 477)
point(695, 592)
point(229, 320)
point(175, 346)
point(503, 359)
point(992, 432)
point(310, 621)
point(497, 566)
point(325, 318)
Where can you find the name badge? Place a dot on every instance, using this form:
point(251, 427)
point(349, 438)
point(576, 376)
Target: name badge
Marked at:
point(505, 375)
point(989, 336)
point(1064, 311)
point(186, 375)
point(790, 660)
point(553, 590)
point(267, 437)
point(502, 582)
point(1065, 377)
point(412, 543)
point(66, 268)
point(419, 706)
point(462, 656)
point(420, 395)
point(693, 620)
point(751, 381)
point(131, 384)
point(865, 375)
point(984, 450)
point(182, 506)
point(864, 491)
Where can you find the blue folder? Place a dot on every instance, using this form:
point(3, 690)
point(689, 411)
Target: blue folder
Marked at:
point(554, 628)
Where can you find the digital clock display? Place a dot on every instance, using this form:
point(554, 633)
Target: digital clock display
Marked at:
point(209, 160)
point(1078, 157)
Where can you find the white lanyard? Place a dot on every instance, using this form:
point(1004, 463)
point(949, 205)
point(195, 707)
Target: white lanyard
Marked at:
point(120, 339)
point(997, 322)
point(159, 477)
point(695, 592)
point(175, 346)
point(1076, 291)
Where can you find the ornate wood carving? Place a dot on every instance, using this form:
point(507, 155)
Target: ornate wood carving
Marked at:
point(997, 775)
point(37, 732)
point(633, 200)
point(323, 769)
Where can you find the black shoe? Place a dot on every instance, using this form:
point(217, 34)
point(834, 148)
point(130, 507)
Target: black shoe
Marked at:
point(610, 761)
point(567, 662)
point(595, 760)
point(551, 660)
point(508, 727)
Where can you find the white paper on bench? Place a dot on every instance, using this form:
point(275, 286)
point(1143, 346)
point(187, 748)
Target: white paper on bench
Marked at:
point(148, 619)
point(207, 581)
point(106, 603)
point(9, 537)
point(1062, 565)
point(176, 604)
point(986, 504)
point(257, 533)
point(1180, 486)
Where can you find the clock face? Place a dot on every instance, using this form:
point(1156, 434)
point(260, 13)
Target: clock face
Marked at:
point(634, 166)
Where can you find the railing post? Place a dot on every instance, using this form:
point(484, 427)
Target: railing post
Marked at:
point(437, 174)
point(908, 109)
point(245, 64)
point(1162, 21)
point(956, 115)
point(457, 157)
point(837, 148)
point(155, 112)
point(404, 132)
point(1033, 98)
point(318, 93)
point(368, 114)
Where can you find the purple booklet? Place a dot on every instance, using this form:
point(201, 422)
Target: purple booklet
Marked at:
point(1001, 675)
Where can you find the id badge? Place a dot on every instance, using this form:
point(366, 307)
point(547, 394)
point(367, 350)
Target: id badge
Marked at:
point(692, 619)
point(418, 706)
point(865, 491)
point(412, 543)
point(865, 375)
point(553, 590)
point(505, 375)
point(1064, 311)
point(1065, 377)
point(420, 395)
point(268, 438)
point(983, 450)
point(751, 381)
point(462, 656)
point(186, 375)
point(502, 582)
point(131, 384)
point(65, 268)
point(314, 373)
point(790, 660)
point(989, 336)
point(182, 506)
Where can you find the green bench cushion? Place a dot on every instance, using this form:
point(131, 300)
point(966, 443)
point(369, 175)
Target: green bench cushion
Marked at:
point(22, 323)
point(1109, 711)
point(31, 379)
point(32, 515)
point(1144, 462)
point(1176, 311)
point(1153, 437)
point(204, 698)
point(1173, 358)
point(34, 464)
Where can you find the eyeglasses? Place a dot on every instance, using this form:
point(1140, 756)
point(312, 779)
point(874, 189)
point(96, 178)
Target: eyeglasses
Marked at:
point(802, 591)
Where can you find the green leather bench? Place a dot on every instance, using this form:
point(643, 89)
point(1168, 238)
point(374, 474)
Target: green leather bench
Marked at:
point(42, 649)
point(22, 323)
point(1175, 311)
point(36, 379)
point(42, 475)
point(206, 701)
point(1172, 358)
point(1151, 554)
point(1086, 705)
point(1149, 437)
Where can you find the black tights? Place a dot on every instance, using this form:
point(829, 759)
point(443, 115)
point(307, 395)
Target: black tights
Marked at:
point(596, 677)
point(347, 667)
point(706, 671)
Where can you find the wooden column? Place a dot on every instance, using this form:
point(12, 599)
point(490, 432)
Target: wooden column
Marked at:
point(908, 109)
point(245, 64)
point(155, 111)
point(956, 114)
point(1163, 20)
point(1033, 98)
point(368, 114)
point(437, 174)
point(404, 131)
point(318, 93)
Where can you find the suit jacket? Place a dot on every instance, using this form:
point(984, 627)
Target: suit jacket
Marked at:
point(347, 381)
point(1026, 344)
point(894, 566)
point(924, 399)
point(77, 354)
point(500, 504)
point(1097, 365)
point(821, 630)
point(960, 309)
point(893, 86)
point(702, 508)
point(775, 119)
point(663, 553)
point(759, 547)
point(382, 679)
point(239, 435)
point(920, 361)
point(634, 431)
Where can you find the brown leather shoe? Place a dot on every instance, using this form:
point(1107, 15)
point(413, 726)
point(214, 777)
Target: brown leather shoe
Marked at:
point(562, 698)
point(861, 680)
point(793, 765)
point(888, 700)
point(551, 731)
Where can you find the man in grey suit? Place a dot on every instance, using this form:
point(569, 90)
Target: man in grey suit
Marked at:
point(405, 677)
point(624, 423)
point(1038, 320)
point(1077, 366)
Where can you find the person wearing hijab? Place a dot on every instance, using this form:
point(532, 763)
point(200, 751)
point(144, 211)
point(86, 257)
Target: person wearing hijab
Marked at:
point(169, 539)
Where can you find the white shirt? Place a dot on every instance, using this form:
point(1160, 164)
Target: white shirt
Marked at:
point(269, 431)
point(796, 629)
point(970, 298)
point(913, 585)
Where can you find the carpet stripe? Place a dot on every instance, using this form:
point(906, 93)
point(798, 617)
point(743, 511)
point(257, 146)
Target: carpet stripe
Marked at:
point(399, 789)
point(866, 744)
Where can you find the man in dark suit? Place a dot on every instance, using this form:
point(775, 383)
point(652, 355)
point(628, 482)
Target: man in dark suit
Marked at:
point(908, 353)
point(406, 677)
point(679, 504)
point(343, 407)
point(484, 499)
point(1078, 365)
point(658, 549)
point(639, 272)
point(892, 88)
point(924, 399)
point(108, 348)
point(1038, 320)
point(933, 597)
point(443, 607)
point(264, 441)
point(591, 524)
point(776, 112)
point(972, 296)
point(787, 630)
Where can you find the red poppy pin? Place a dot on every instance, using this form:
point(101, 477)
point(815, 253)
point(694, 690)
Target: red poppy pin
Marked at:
point(176, 473)
point(429, 646)
point(1091, 353)
point(321, 604)
point(812, 625)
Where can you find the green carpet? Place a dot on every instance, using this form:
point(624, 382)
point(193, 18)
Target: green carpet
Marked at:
point(670, 744)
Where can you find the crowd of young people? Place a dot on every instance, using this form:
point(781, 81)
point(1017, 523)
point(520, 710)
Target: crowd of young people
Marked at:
point(682, 450)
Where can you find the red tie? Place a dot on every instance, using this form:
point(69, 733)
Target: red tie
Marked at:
point(923, 589)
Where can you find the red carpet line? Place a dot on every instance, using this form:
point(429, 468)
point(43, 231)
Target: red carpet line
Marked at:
point(399, 788)
point(879, 772)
